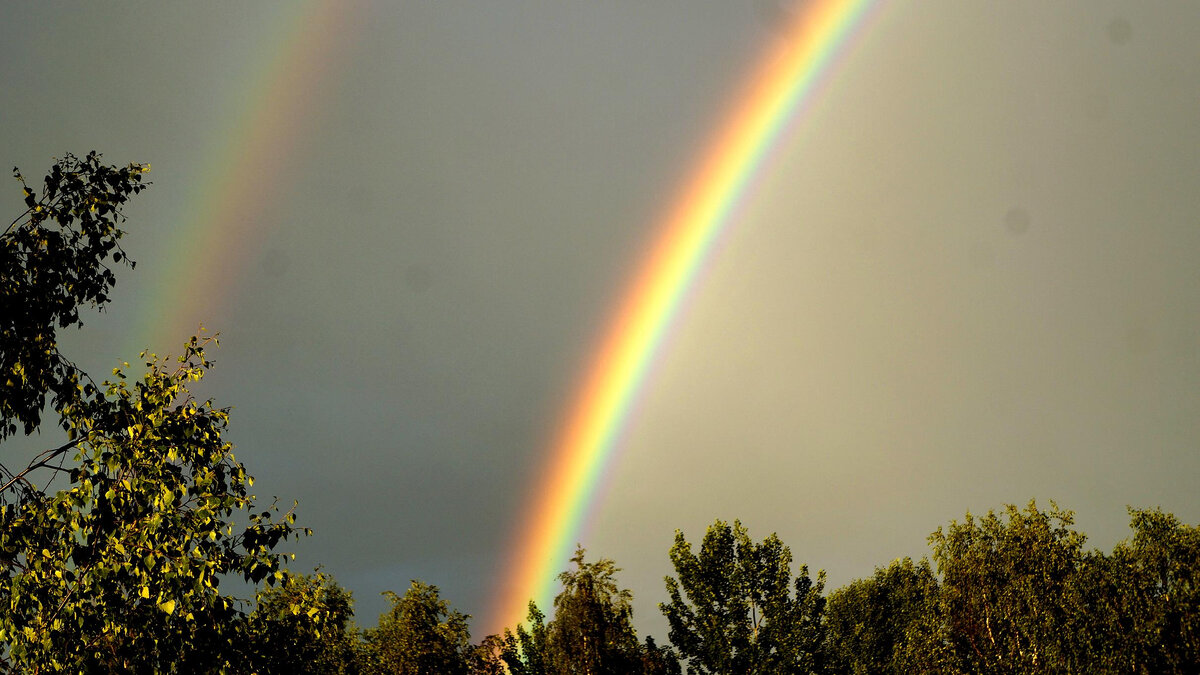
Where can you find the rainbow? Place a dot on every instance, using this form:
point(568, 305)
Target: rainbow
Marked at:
point(222, 224)
point(784, 82)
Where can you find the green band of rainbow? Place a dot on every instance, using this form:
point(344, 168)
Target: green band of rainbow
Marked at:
point(784, 81)
point(224, 219)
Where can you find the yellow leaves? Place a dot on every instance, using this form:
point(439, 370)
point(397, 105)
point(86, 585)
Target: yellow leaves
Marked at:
point(167, 606)
point(145, 592)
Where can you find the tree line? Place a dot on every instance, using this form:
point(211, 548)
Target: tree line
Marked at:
point(115, 540)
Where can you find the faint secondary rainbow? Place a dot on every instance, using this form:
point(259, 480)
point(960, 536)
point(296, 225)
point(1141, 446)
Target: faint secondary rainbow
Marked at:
point(781, 84)
point(224, 218)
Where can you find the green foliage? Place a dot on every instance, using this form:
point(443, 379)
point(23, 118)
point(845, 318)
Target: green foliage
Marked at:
point(1003, 580)
point(119, 570)
point(1138, 610)
point(420, 635)
point(302, 626)
point(868, 620)
point(53, 261)
point(1018, 595)
point(740, 615)
point(592, 631)
point(658, 660)
point(488, 657)
point(126, 561)
point(528, 651)
point(1163, 562)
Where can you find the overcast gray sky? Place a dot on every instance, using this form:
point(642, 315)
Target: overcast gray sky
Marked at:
point(970, 277)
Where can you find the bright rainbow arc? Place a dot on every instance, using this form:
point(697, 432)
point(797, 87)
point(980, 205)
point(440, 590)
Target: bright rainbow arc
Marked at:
point(784, 81)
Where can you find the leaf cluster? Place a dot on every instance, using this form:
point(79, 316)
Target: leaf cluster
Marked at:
point(303, 625)
point(735, 607)
point(126, 561)
point(868, 621)
point(119, 569)
point(54, 259)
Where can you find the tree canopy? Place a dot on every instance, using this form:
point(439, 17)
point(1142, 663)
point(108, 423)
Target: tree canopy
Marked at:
point(735, 607)
point(1018, 594)
point(419, 634)
point(868, 621)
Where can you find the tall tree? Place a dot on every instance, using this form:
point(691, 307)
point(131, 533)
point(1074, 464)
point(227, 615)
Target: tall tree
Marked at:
point(868, 620)
point(419, 635)
point(1138, 610)
point(1004, 579)
point(1164, 558)
point(735, 608)
point(117, 570)
point(527, 651)
point(592, 631)
point(303, 626)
